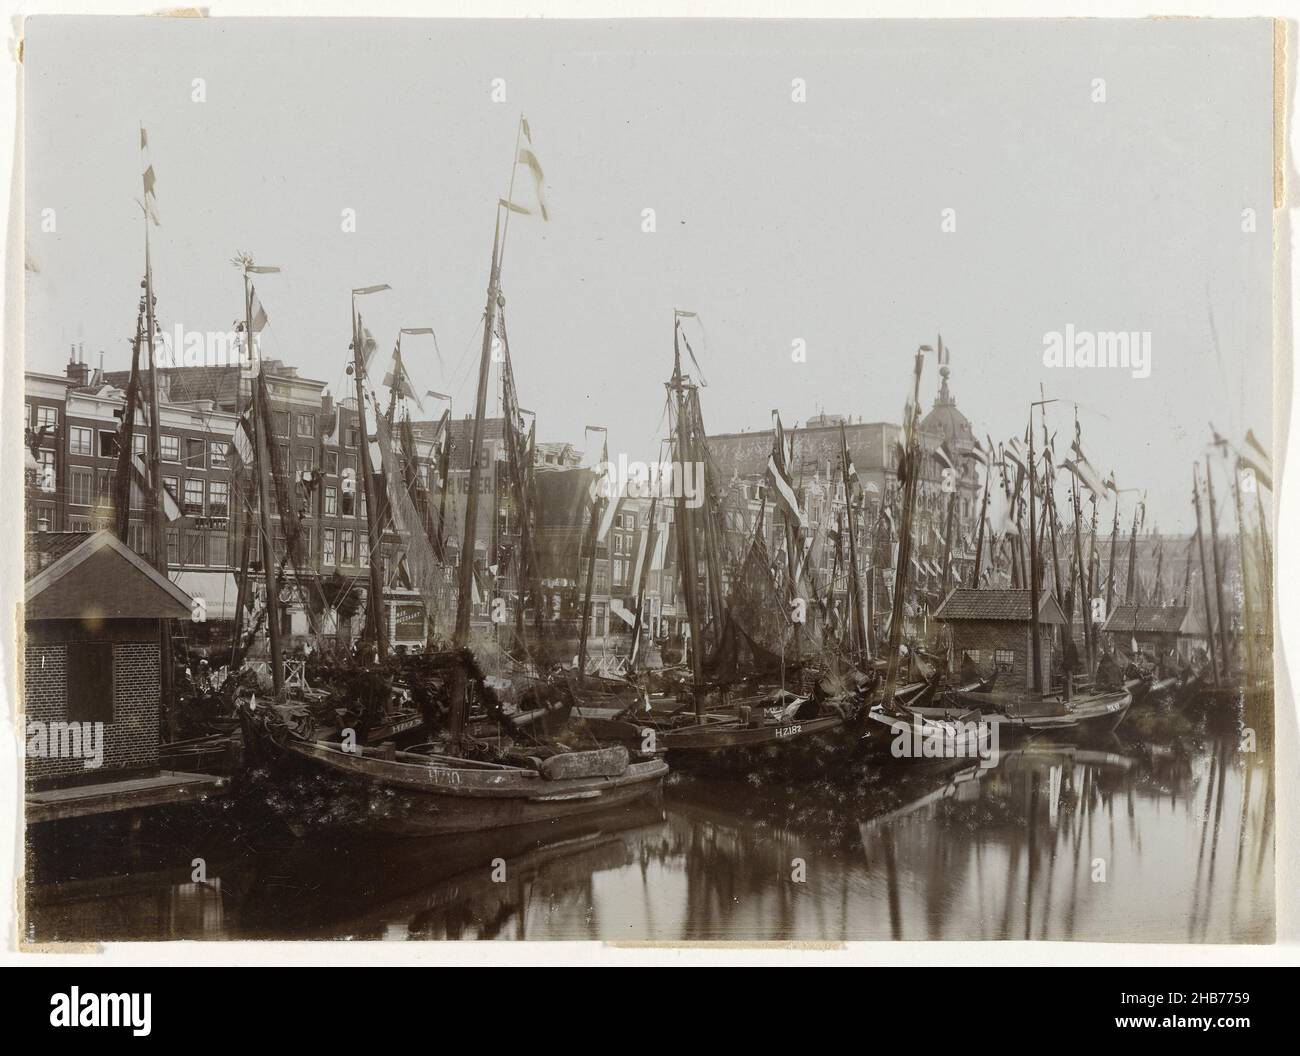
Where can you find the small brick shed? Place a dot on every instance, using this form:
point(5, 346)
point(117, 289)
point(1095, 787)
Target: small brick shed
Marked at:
point(1157, 628)
point(992, 627)
point(92, 617)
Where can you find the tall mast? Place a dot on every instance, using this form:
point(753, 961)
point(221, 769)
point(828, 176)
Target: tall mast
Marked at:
point(979, 533)
point(1110, 565)
point(651, 539)
point(375, 604)
point(593, 528)
point(861, 646)
point(1132, 556)
point(679, 386)
point(1247, 607)
point(947, 543)
point(246, 534)
point(1083, 582)
point(260, 417)
point(1205, 577)
point(126, 438)
point(465, 572)
point(1037, 646)
point(155, 479)
point(1218, 571)
point(911, 462)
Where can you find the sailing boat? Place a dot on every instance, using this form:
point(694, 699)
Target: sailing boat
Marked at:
point(750, 632)
point(458, 783)
point(1012, 710)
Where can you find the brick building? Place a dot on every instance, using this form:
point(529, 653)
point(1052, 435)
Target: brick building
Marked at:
point(1158, 629)
point(74, 465)
point(92, 614)
point(992, 627)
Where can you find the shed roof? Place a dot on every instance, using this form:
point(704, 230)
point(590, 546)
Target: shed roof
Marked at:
point(102, 577)
point(967, 603)
point(1153, 619)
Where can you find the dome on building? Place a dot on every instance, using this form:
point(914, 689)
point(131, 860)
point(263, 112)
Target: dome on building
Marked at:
point(945, 420)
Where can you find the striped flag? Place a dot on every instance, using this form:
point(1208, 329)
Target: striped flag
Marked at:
point(943, 457)
point(1257, 460)
point(150, 200)
point(779, 478)
point(243, 440)
point(170, 509)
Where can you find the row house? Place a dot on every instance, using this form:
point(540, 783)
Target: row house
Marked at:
point(74, 420)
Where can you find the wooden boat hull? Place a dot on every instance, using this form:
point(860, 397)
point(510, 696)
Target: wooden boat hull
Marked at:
point(392, 797)
point(787, 749)
point(1092, 716)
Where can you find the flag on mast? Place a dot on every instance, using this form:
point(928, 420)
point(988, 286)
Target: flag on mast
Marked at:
point(150, 200)
point(779, 478)
point(528, 158)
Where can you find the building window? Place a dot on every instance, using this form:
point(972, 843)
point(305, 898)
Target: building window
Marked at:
point(352, 437)
point(327, 550)
point(306, 425)
point(195, 448)
point(173, 486)
point(281, 423)
point(80, 441)
point(332, 463)
point(196, 548)
point(81, 483)
point(302, 465)
point(136, 538)
point(346, 541)
point(104, 491)
point(107, 445)
point(365, 552)
point(171, 448)
point(422, 473)
point(218, 548)
point(46, 478)
point(90, 682)
point(331, 500)
point(44, 518)
point(47, 416)
point(218, 454)
point(1004, 659)
point(173, 547)
point(140, 444)
point(219, 498)
point(193, 505)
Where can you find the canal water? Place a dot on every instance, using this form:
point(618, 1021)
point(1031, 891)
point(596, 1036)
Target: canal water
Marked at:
point(1161, 833)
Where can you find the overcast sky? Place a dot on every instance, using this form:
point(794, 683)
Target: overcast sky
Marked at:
point(776, 220)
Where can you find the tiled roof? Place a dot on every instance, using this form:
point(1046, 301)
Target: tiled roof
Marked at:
point(44, 548)
point(965, 603)
point(218, 384)
point(1147, 619)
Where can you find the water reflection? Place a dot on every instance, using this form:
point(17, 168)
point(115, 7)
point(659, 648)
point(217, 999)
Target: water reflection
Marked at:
point(1159, 839)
